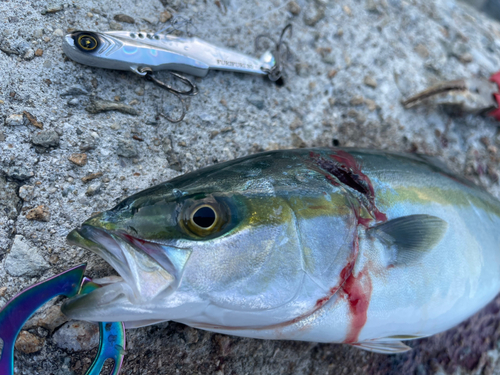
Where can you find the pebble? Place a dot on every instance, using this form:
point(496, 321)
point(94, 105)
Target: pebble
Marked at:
point(139, 91)
point(3, 290)
point(53, 8)
point(20, 173)
point(123, 18)
point(370, 81)
point(126, 148)
point(23, 260)
point(15, 120)
point(91, 177)
point(165, 16)
point(294, 8)
point(88, 143)
point(313, 15)
point(32, 119)
point(26, 192)
point(29, 343)
point(39, 213)
point(115, 26)
point(77, 336)
point(58, 32)
point(93, 189)
point(46, 138)
point(39, 52)
point(73, 102)
point(257, 101)
point(29, 54)
point(9, 201)
point(75, 91)
point(97, 105)
point(78, 159)
point(49, 319)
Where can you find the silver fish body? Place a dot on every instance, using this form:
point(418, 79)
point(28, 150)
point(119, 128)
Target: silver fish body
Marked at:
point(329, 245)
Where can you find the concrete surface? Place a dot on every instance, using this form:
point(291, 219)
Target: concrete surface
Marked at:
point(353, 62)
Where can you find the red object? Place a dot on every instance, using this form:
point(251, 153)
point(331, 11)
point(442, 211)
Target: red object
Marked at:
point(496, 112)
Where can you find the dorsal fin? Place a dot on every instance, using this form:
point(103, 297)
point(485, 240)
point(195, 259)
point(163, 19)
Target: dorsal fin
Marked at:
point(410, 237)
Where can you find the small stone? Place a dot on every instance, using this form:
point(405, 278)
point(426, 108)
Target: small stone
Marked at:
point(15, 120)
point(23, 260)
point(75, 91)
point(113, 25)
point(332, 73)
point(32, 119)
point(20, 173)
point(10, 203)
point(313, 15)
point(88, 143)
point(38, 33)
point(26, 192)
point(294, 8)
point(77, 336)
point(78, 159)
point(93, 189)
point(90, 15)
point(29, 54)
point(257, 101)
point(91, 177)
point(46, 138)
point(372, 106)
point(49, 319)
point(99, 105)
point(370, 81)
point(28, 343)
point(3, 291)
point(296, 123)
point(133, 102)
point(73, 102)
point(40, 213)
point(422, 51)
point(139, 91)
point(126, 148)
point(123, 18)
point(165, 16)
point(39, 52)
point(53, 8)
point(347, 10)
point(357, 100)
point(58, 32)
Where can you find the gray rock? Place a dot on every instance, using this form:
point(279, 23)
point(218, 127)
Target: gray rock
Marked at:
point(26, 192)
point(127, 148)
point(312, 15)
point(256, 101)
point(10, 204)
point(88, 143)
point(20, 173)
point(46, 138)
point(49, 319)
point(75, 91)
point(123, 18)
point(93, 189)
point(29, 54)
point(98, 105)
point(73, 102)
point(77, 336)
point(53, 8)
point(15, 120)
point(115, 26)
point(23, 260)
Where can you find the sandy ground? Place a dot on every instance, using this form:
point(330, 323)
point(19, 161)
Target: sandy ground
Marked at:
point(353, 62)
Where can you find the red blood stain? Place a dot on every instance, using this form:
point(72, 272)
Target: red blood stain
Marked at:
point(357, 291)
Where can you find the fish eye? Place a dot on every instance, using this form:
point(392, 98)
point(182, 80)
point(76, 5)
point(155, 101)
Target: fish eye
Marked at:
point(87, 42)
point(204, 218)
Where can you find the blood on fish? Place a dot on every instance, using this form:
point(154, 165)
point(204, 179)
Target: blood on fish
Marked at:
point(358, 291)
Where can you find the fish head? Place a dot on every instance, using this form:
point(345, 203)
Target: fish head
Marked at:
point(223, 239)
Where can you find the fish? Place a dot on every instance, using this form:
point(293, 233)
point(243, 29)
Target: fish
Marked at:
point(334, 245)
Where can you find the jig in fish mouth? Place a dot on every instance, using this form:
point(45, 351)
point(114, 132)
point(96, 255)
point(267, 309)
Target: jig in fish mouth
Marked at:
point(148, 271)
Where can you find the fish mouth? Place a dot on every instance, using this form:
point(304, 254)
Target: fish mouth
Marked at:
point(149, 272)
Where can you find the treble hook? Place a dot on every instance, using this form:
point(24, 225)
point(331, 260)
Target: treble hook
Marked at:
point(274, 73)
point(177, 93)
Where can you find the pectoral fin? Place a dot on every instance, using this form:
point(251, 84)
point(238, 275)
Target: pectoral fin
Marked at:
point(382, 346)
point(410, 237)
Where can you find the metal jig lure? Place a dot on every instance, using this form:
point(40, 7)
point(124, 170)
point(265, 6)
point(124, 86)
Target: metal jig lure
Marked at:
point(69, 283)
point(146, 53)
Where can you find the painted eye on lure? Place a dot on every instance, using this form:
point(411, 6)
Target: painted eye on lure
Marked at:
point(86, 42)
point(203, 219)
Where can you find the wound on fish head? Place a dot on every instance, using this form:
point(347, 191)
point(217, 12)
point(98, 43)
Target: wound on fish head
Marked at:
point(225, 246)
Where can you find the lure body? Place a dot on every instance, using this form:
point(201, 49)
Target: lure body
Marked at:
point(124, 50)
point(328, 245)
